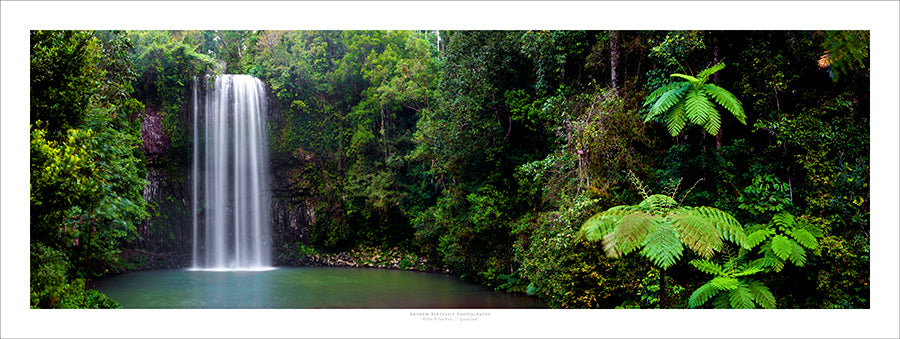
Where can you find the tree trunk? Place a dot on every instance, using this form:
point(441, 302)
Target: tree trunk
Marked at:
point(614, 59)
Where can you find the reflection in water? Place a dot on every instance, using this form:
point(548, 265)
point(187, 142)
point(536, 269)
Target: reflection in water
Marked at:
point(303, 288)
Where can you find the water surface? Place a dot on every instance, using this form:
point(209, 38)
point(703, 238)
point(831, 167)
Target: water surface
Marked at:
point(303, 288)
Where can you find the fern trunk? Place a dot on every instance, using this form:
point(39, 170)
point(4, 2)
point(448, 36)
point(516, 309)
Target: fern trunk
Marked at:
point(663, 291)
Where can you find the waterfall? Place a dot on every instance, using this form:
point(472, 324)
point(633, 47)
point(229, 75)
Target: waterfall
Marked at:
point(230, 178)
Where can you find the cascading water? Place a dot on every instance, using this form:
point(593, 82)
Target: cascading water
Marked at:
point(231, 187)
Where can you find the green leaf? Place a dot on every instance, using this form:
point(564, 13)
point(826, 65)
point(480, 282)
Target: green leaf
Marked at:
point(662, 246)
point(782, 246)
point(676, 120)
point(758, 237)
point(702, 294)
point(704, 74)
point(660, 91)
point(761, 294)
point(798, 254)
point(693, 80)
point(698, 233)
point(726, 224)
point(752, 269)
point(724, 283)
point(727, 100)
point(629, 234)
point(708, 267)
point(805, 238)
point(741, 297)
point(784, 220)
point(666, 101)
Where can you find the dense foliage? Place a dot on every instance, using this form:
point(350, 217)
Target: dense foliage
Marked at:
point(487, 151)
point(87, 172)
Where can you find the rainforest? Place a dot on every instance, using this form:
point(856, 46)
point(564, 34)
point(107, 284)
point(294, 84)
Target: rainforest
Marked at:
point(571, 169)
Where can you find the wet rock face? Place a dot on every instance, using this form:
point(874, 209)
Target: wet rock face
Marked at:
point(165, 238)
point(155, 141)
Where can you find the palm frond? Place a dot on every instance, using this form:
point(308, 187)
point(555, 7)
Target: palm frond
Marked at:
point(726, 99)
point(750, 270)
point(662, 246)
point(721, 301)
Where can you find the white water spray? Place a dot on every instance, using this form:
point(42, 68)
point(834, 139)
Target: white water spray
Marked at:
point(231, 186)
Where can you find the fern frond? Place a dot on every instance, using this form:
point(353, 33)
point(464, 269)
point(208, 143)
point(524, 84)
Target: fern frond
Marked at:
point(762, 263)
point(660, 91)
point(805, 238)
point(726, 224)
point(758, 237)
point(782, 247)
point(666, 101)
point(697, 233)
point(609, 246)
point(724, 283)
point(629, 234)
point(798, 254)
point(658, 203)
point(676, 120)
point(726, 99)
point(721, 301)
point(694, 81)
point(603, 223)
point(761, 294)
point(784, 220)
point(708, 267)
point(662, 246)
point(702, 294)
point(698, 109)
point(749, 271)
point(741, 297)
point(704, 74)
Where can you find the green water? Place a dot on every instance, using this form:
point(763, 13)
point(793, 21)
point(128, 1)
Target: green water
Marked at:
point(303, 288)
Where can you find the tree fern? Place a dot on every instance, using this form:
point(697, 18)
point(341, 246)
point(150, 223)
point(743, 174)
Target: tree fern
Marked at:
point(730, 287)
point(661, 228)
point(692, 101)
point(784, 238)
point(672, 227)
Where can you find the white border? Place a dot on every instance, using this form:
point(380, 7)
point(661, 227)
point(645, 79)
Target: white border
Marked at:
point(20, 17)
